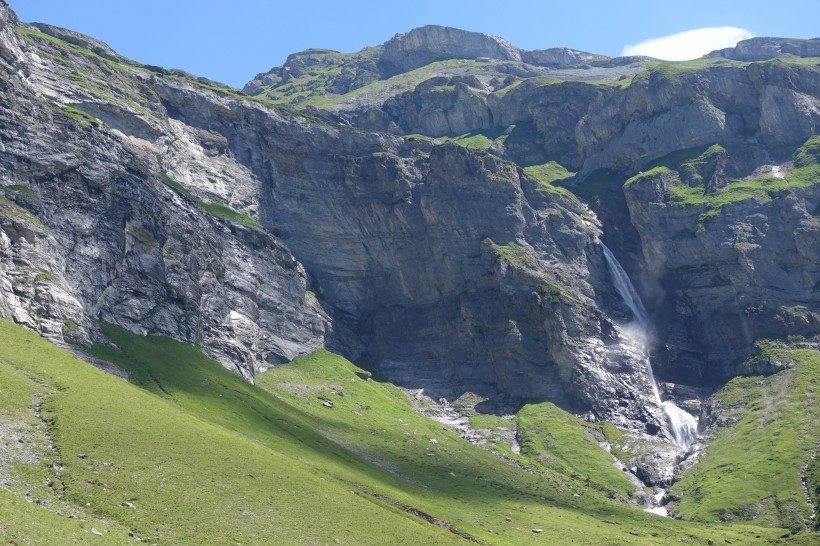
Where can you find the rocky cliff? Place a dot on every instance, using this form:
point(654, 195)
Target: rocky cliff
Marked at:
point(455, 260)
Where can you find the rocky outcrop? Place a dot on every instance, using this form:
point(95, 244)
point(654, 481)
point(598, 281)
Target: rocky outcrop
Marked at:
point(69, 36)
point(730, 273)
point(439, 107)
point(586, 122)
point(325, 73)
point(355, 71)
point(11, 52)
point(90, 232)
point(424, 45)
point(559, 56)
point(762, 49)
point(660, 113)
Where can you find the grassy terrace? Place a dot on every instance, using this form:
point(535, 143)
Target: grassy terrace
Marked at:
point(81, 116)
point(674, 70)
point(10, 209)
point(806, 173)
point(547, 174)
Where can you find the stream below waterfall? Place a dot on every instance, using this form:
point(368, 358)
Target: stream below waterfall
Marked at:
point(682, 425)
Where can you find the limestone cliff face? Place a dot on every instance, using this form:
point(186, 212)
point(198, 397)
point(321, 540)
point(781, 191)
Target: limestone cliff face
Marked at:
point(172, 205)
point(89, 232)
point(729, 273)
point(444, 268)
point(424, 45)
point(591, 126)
point(659, 113)
point(761, 49)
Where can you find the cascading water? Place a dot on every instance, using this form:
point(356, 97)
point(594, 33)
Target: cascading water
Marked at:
point(682, 425)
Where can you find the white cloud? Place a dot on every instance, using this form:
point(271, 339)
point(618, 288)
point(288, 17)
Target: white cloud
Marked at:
point(691, 44)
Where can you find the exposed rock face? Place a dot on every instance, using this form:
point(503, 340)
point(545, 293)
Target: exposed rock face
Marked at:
point(585, 125)
point(774, 102)
point(761, 49)
point(746, 273)
point(89, 233)
point(331, 73)
point(436, 268)
point(557, 56)
point(95, 46)
point(438, 107)
point(355, 73)
point(430, 43)
point(11, 53)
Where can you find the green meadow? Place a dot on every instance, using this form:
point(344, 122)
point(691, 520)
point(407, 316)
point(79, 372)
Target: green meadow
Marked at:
point(186, 452)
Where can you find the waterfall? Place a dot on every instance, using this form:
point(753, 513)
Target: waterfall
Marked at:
point(624, 287)
point(682, 425)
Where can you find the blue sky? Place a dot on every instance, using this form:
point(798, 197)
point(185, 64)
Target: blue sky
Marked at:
point(231, 41)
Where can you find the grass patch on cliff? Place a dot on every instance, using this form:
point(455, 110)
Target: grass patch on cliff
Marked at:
point(689, 164)
point(215, 209)
point(760, 189)
point(547, 174)
point(20, 189)
point(677, 71)
point(513, 253)
point(81, 116)
point(483, 140)
point(228, 213)
point(809, 153)
point(168, 181)
point(10, 209)
point(476, 140)
point(751, 470)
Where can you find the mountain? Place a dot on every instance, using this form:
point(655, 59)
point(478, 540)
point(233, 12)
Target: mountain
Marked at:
point(439, 210)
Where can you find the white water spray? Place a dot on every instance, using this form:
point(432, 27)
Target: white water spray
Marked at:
point(682, 425)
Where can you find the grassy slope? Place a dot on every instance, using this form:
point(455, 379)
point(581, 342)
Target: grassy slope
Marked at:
point(475, 489)
point(190, 481)
point(311, 88)
point(205, 457)
point(551, 436)
point(751, 468)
